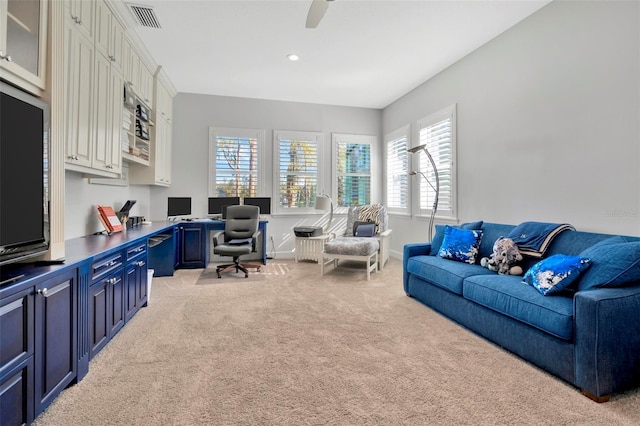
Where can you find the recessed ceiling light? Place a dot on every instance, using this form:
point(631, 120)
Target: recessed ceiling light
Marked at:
point(292, 57)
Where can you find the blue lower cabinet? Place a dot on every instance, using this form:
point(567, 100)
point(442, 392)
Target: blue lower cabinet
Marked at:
point(55, 336)
point(192, 245)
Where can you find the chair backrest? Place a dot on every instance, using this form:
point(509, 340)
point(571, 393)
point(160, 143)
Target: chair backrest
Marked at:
point(376, 213)
point(241, 222)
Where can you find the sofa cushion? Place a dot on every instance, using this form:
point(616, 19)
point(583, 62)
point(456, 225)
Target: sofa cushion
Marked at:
point(444, 273)
point(555, 273)
point(615, 262)
point(353, 246)
point(508, 295)
point(460, 244)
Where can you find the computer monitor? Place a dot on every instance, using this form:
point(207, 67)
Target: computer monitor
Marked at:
point(263, 202)
point(178, 206)
point(216, 204)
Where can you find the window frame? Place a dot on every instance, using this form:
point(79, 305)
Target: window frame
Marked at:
point(309, 136)
point(403, 132)
point(420, 162)
point(231, 132)
point(339, 138)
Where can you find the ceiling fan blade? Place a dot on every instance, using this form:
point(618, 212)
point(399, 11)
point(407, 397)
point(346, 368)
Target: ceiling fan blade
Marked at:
point(316, 12)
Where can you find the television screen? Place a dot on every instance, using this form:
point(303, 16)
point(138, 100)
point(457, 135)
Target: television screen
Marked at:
point(178, 206)
point(24, 174)
point(217, 204)
point(263, 202)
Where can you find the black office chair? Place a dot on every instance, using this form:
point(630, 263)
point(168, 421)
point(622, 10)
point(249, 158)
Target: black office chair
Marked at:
point(238, 238)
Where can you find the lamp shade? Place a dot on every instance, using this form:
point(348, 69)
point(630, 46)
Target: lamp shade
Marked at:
point(323, 203)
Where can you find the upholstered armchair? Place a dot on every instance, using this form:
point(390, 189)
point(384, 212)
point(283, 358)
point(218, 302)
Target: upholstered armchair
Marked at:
point(366, 238)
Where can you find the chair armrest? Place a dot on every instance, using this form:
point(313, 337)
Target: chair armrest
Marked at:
point(254, 241)
point(607, 339)
point(216, 237)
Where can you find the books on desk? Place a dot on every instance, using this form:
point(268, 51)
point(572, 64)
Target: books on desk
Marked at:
point(109, 219)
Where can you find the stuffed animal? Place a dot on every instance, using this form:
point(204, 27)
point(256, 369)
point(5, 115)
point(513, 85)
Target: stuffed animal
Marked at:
point(504, 257)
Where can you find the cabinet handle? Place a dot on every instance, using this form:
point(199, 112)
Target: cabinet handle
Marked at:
point(141, 263)
point(5, 57)
point(43, 291)
point(109, 166)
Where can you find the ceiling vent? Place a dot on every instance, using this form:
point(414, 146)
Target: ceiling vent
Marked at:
point(145, 16)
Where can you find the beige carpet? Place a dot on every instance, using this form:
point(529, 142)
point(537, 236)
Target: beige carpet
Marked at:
point(295, 348)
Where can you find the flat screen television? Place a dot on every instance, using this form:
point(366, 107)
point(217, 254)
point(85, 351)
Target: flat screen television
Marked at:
point(24, 175)
point(178, 206)
point(217, 204)
point(263, 202)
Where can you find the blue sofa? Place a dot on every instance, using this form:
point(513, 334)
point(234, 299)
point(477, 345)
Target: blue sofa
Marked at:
point(588, 338)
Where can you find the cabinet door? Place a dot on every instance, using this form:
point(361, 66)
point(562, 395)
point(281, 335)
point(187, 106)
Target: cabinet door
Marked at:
point(16, 358)
point(23, 43)
point(116, 305)
point(114, 145)
point(192, 246)
point(78, 83)
point(98, 317)
point(130, 291)
point(56, 343)
point(101, 125)
point(16, 396)
point(102, 28)
point(81, 14)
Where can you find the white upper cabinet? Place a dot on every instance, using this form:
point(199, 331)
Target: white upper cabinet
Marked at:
point(23, 43)
point(81, 14)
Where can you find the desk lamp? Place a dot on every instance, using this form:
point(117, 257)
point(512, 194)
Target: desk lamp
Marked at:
point(436, 188)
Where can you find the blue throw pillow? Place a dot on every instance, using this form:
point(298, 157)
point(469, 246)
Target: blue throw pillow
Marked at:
point(460, 244)
point(615, 262)
point(555, 273)
point(365, 230)
point(436, 242)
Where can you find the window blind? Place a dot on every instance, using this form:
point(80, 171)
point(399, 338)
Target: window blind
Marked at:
point(298, 172)
point(236, 166)
point(437, 132)
point(353, 169)
point(397, 170)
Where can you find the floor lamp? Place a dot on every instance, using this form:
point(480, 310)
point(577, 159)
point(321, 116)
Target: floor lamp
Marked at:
point(323, 202)
point(436, 188)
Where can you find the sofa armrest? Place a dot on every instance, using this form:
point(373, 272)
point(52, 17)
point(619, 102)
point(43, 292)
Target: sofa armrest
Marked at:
point(409, 250)
point(607, 338)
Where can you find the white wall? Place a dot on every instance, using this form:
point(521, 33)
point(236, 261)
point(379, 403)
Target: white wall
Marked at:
point(82, 199)
point(193, 114)
point(548, 122)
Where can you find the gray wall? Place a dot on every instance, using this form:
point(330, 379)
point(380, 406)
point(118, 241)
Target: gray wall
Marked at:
point(547, 119)
point(194, 114)
point(548, 130)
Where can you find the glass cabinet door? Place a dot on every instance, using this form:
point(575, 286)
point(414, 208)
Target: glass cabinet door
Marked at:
point(23, 42)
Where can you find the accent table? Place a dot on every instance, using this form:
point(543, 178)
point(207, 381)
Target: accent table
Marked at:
point(311, 248)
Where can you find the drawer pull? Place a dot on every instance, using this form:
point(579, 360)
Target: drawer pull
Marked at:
point(43, 291)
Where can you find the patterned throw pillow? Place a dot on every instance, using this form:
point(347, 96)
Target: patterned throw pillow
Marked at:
point(370, 213)
point(461, 245)
point(436, 242)
point(555, 273)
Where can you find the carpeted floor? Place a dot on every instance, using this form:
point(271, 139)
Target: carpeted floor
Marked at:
point(288, 347)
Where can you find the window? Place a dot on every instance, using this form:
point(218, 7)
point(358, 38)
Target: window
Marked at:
point(296, 164)
point(438, 133)
point(235, 162)
point(397, 171)
point(352, 162)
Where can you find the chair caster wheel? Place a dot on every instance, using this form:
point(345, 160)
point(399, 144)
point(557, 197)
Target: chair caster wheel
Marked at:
point(258, 270)
point(246, 275)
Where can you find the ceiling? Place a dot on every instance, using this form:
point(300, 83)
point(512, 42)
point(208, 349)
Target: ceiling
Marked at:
point(364, 53)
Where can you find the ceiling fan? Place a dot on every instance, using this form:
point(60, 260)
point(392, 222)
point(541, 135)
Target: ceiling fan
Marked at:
point(316, 12)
